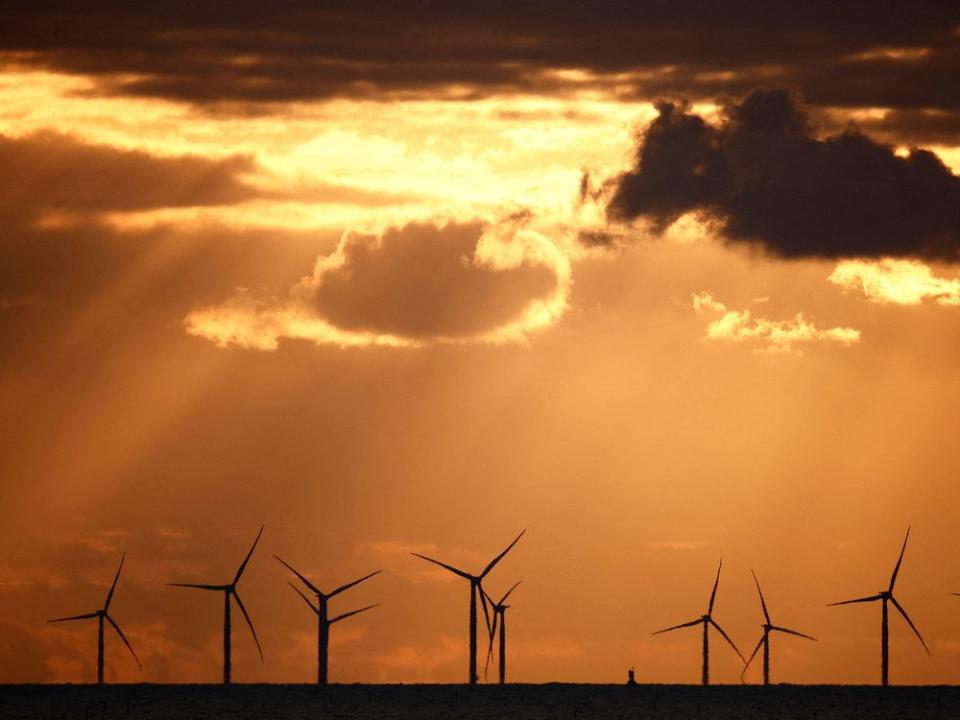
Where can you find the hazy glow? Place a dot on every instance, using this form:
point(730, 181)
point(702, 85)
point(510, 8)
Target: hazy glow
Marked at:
point(627, 418)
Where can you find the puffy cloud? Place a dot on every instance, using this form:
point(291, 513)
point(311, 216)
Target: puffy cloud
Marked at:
point(768, 180)
point(770, 336)
point(410, 286)
point(898, 282)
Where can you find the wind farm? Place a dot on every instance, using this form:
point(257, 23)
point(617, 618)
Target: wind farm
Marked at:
point(509, 699)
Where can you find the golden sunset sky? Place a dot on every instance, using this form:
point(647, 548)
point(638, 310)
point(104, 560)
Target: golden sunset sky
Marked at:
point(662, 284)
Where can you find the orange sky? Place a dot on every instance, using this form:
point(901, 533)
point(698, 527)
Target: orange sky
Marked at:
point(373, 327)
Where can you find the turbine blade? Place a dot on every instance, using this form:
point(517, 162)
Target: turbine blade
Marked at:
point(199, 587)
point(243, 565)
point(713, 595)
point(913, 627)
point(492, 633)
point(87, 616)
point(236, 596)
point(125, 641)
point(499, 557)
point(487, 595)
point(763, 604)
point(305, 598)
point(451, 568)
point(793, 632)
point(483, 604)
point(106, 605)
point(752, 656)
point(355, 582)
point(727, 638)
point(345, 615)
point(504, 598)
point(300, 575)
point(896, 568)
point(677, 627)
point(870, 598)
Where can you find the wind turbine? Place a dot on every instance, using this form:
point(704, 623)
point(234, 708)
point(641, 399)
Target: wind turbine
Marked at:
point(101, 615)
point(230, 590)
point(499, 616)
point(768, 627)
point(323, 620)
point(707, 620)
point(475, 581)
point(885, 596)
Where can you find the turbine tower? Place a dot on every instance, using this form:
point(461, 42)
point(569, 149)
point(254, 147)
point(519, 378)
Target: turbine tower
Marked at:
point(323, 620)
point(499, 618)
point(101, 615)
point(230, 590)
point(707, 620)
point(886, 596)
point(475, 581)
point(768, 627)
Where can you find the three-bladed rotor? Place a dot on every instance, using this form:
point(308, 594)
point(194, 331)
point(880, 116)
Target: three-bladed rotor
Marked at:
point(231, 590)
point(104, 614)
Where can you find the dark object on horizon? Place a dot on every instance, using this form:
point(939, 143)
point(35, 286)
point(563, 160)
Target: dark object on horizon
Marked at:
point(631, 677)
point(228, 590)
point(886, 596)
point(768, 627)
point(102, 615)
point(499, 616)
point(475, 581)
point(323, 620)
point(707, 620)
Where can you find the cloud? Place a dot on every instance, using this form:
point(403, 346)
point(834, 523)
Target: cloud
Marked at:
point(257, 54)
point(414, 285)
point(418, 662)
point(49, 173)
point(767, 180)
point(896, 282)
point(775, 337)
point(30, 655)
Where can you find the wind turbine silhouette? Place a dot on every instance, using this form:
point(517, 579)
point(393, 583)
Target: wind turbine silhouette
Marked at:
point(323, 620)
point(707, 620)
point(499, 616)
point(768, 627)
point(230, 590)
point(101, 615)
point(885, 596)
point(475, 581)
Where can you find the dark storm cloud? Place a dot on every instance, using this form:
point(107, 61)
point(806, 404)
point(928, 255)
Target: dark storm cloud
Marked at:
point(765, 176)
point(264, 52)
